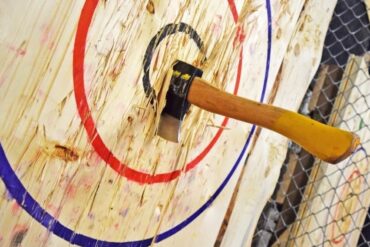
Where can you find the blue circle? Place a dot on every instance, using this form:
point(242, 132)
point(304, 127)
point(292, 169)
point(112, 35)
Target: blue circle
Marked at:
point(30, 205)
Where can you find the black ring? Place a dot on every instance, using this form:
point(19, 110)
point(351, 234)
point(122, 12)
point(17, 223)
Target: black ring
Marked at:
point(153, 44)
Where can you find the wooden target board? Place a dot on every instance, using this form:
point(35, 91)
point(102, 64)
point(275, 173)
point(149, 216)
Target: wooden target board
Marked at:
point(80, 90)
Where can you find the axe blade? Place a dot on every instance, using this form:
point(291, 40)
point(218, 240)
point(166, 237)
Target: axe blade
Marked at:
point(169, 127)
point(177, 104)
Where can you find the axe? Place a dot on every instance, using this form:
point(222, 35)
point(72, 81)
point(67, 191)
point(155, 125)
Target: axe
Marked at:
point(186, 87)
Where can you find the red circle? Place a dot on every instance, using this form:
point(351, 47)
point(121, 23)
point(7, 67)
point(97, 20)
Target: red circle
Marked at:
point(355, 174)
point(88, 122)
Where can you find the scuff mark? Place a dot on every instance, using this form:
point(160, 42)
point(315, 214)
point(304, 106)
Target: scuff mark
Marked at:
point(297, 50)
point(61, 105)
point(19, 232)
point(141, 202)
point(118, 66)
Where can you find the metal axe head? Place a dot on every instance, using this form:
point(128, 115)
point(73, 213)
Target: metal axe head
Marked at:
point(177, 104)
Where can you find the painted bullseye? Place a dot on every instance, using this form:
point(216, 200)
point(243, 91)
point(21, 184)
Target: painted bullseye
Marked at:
point(85, 113)
point(18, 191)
point(165, 31)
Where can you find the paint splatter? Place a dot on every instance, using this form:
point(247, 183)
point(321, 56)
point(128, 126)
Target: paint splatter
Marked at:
point(19, 51)
point(15, 207)
point(87, 182)
point(53, 209)
point(2, 79)
point(46, 36)
point(71, 191)
point(217, 26)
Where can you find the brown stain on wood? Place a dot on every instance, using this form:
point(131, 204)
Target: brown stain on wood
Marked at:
point(150, 7)
point(53, 149)
point(65, 153)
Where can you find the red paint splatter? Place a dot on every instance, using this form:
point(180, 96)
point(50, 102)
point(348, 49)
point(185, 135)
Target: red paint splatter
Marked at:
point(87, 182)
point(94, 159)
point(71, 191)
point(19, 227)
point(17, 50)
point(216, 26)
point(2, 80)
point(53, 209)
point(46, 36)
point(15, 207)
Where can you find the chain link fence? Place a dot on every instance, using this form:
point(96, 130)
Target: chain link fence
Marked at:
point(338, 95)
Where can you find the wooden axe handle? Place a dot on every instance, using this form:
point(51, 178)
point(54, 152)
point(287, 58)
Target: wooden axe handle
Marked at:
point(326, 142)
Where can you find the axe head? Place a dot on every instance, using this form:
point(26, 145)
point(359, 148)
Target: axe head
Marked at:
point(177, 104)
